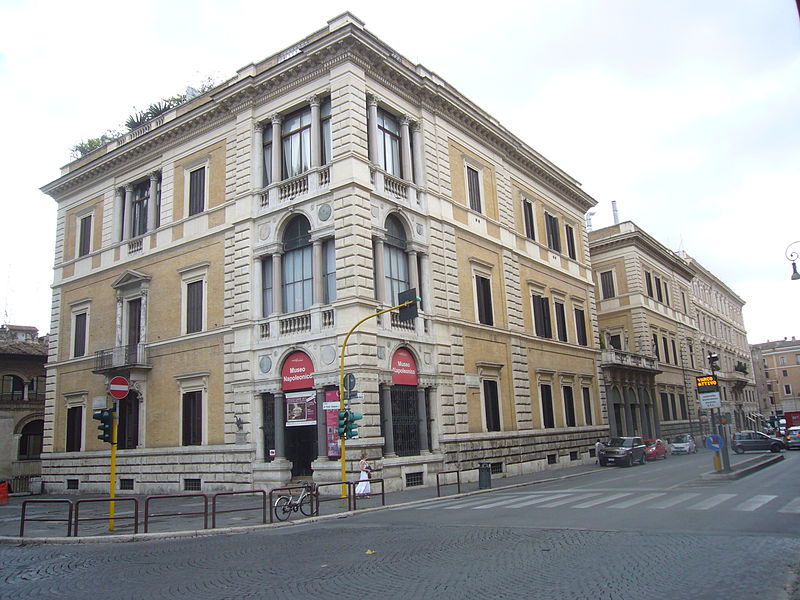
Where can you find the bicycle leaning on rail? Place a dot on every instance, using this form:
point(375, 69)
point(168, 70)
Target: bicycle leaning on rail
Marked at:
point(286, 505)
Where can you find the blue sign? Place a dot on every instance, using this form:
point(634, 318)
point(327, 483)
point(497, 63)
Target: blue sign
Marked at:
point(714, 442)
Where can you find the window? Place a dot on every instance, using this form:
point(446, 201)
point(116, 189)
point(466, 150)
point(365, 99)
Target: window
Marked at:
point(682, 401)
point(527, 214)
point(607, 284)
point(79, 334)
point(474, 189)
point(658, 289)
point(266, 286)
point(666, 349)
point(649, 282)
point(541, 317)
point(329, 270)
point(787, 389)
point(128, 423)
point(691, 355)
point(569, 406)
point(85, 235)
point(674, 352)
point(483, 292)
point(561, 321)
point(194, 306)
point(395, 259)
point(30, 440)
point(666, 292)
point(74, 428)
point(587, 406)
point(197, 191)
point(11, 388)
point(141, 195)
point(298, 276)
point(325, 118)
point(782, 360)
point(389, 143)
point(553, 236)
point(267, 156)
point(797, 359)
point(491, 405)
point(674, 406)
point(546, 395)
point(580, 327)
point(193, 418)
point(296, 143)
point(665, 407)
point(683, 301)
point(785, 372)
point(655, 347)
point(570, 232)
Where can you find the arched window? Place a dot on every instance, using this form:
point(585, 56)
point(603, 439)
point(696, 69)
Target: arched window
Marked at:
point(12, 387)
point(30, 441)
point(297, 273)
point(395, 259)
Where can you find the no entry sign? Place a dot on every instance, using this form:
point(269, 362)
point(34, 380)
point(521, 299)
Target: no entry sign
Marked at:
point(118, 387)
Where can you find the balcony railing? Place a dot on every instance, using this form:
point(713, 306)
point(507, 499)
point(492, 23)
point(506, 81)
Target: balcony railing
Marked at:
point(299, 323)
point(612, 357)
point(288, 189)
point(134, 355)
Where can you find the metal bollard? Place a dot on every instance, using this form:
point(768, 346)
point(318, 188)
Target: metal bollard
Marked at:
point(484, 476)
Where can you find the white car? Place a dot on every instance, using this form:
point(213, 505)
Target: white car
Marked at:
point(683, 444)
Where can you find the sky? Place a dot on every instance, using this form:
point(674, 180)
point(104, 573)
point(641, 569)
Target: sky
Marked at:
point(685, 113)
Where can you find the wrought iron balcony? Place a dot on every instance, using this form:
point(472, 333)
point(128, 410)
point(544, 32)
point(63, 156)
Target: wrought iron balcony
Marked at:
point(121, 357)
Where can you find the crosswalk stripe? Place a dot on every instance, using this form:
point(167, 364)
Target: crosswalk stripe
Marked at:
point(634, 501)
point(711, 502)
point(792, 507)
point(597, 501)
point(567, 500)
point(533, 501)
point(667, 502)
point(494, 504)
point(466, 503)
point(755, 502)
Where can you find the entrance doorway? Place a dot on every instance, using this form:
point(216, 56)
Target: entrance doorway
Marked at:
point(301, 449)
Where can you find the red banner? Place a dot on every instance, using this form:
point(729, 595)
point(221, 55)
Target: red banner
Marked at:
point(297, 372)
point(404, 368)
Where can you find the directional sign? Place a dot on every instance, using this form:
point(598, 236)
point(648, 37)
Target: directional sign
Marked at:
point(118, 387)
point(714, 442)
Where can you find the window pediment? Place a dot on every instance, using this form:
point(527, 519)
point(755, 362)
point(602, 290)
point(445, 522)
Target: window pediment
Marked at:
point(131, 278)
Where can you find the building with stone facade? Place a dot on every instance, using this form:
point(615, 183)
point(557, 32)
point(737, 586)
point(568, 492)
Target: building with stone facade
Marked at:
point(22, 392)
point(779, 367)
point(217, 256)
point(721, 331)
point(648, 332)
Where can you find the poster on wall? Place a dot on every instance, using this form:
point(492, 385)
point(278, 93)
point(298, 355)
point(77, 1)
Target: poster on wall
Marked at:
point(404, 368)
point(301, 408)
point(332, 423)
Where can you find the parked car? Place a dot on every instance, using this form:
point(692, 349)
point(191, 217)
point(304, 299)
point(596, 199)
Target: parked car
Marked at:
point(655, 449)
point(793, 437)
point(623, 451)
point(683, 444)
point(744, 441)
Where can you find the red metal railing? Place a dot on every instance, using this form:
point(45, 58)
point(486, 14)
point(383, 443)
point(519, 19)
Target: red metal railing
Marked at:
point(440, 485)
point(147, 514)
point(215, 512)
point(78, 519)
point(23, 518)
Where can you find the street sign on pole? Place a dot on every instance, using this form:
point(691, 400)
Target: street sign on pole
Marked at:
point(715, 442)
point(709, 399)
point(118, 387)
point(349, 382)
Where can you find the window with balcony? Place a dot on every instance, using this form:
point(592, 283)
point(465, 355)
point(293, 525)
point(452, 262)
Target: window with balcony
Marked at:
point(491, 404)
point(297, 267)
point(141, 196)
point(395, 266)
point(553, 235)
point(296, 143)
point(527, 215)
point(389, 154)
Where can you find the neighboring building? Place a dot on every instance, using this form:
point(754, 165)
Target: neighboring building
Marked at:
point(721, 331)
point(780, 366)
point(22, 392)
point(218, 255)
point(648, 333)
point(767, 410)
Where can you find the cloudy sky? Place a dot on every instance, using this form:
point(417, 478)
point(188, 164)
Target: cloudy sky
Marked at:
point(683, 112)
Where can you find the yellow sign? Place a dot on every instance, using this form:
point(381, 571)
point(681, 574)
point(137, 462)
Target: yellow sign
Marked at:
point(706, 381)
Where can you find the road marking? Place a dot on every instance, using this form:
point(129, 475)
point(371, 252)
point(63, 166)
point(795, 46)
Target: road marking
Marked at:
point(792, 507)
point(597, 501)
point(711, 502)
point(494, 504)
point(634, 501)
point(667, 502)
point(567, 500)
point(755, 502)
point(530, 502)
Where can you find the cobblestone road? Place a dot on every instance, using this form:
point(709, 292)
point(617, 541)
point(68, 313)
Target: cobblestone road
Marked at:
point(350, 557)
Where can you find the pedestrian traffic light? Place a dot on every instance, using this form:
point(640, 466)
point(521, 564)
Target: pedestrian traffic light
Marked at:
point(352, 426)
point(341, 429)
point(106, 418)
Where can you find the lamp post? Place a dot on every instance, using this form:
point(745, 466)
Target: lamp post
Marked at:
point(793, 255)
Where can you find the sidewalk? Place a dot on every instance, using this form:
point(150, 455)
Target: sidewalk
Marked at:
point(186, 518)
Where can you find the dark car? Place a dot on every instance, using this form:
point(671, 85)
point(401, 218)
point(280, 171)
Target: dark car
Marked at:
point(622, 451)
point(755, 440)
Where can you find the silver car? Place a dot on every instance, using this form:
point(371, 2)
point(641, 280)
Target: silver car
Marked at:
point(683, 444)
point(793, 437)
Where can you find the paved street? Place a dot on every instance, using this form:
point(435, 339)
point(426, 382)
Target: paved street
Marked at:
point(616, 533)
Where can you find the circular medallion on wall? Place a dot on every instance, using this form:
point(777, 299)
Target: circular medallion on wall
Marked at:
point(419, 229)
point(381, 352)
point(265, 364)
point(263, 232)
point(328, 355)
point(324, 212)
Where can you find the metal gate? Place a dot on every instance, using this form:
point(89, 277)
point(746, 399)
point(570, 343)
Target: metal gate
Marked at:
point(405, 420)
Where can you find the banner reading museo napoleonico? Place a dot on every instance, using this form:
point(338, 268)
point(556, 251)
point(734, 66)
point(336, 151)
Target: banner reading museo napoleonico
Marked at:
point(301, 408)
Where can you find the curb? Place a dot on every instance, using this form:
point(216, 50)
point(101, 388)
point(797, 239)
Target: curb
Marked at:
point(197, 533)
point(746, 468)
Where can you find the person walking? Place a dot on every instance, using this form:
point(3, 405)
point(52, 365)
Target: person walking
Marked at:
point(363, 489)
point(598, 446)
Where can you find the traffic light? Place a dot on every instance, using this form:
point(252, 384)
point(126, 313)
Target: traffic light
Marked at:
point(106, 418)
point(344, 417)
point(352, 426)
point(408, 313)
point(713, 361)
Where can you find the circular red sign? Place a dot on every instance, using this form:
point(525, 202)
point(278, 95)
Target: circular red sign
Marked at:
point(118, 387)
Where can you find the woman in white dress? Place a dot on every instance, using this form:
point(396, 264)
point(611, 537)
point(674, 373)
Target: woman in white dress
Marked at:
point(363, 489)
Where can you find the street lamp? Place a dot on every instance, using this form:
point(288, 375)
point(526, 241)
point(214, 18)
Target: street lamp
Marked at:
point(794, 255)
